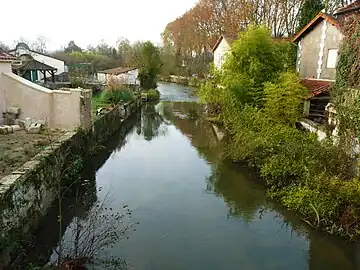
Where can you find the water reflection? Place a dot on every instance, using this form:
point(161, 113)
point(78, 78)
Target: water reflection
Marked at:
point(246, 199)
point(152, 123)
point(196, 209)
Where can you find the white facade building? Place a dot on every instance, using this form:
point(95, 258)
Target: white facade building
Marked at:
point(220, 50)
point(23, 49)
point(120, 74)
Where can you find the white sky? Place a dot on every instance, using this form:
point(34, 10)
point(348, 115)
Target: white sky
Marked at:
point(87, 21)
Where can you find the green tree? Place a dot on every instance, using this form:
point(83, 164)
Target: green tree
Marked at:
point(150, 65)
point(283, 100)
point(72, 47)
point(309, 9)
point(254, 60)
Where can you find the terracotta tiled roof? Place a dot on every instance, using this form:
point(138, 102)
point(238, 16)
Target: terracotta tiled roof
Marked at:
point(321, 16)
point(117, 71)
point(316, 87)
point(6, 56)
point(349, 8)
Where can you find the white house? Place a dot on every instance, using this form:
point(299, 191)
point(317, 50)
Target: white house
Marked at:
point(23, 49)
point(221, 48)
point(124, 75)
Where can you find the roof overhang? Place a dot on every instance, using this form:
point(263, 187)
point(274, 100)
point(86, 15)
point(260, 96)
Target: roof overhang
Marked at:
point(321, 16)
point(217, 43)
point(316, 86)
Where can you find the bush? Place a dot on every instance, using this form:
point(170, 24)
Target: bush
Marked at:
point(115, 96)
point(151, 95)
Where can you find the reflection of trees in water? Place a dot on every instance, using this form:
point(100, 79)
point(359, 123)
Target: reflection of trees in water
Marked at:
point(152, 122)
point(244, 197)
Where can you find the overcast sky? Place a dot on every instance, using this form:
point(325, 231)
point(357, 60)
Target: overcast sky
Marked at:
point(87, 21)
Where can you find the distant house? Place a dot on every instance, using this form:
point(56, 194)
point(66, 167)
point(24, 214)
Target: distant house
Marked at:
point(221, 48)
point(125, 75)
point(317, 56)
point(29, 68)
point(57, 65)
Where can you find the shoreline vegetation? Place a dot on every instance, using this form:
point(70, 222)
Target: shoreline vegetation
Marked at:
point(257, 99)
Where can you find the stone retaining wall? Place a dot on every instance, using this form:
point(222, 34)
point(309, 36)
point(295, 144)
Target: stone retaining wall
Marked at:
point(27, 193)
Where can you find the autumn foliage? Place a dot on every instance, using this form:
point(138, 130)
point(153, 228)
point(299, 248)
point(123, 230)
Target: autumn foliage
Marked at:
point(198, 29)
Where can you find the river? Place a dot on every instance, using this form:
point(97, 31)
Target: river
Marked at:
point(192, 209)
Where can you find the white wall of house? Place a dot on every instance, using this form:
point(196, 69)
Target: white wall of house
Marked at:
point(130, 77)
point(220, 53)
point(101, 77)
point(48, 60)
point(58, 64)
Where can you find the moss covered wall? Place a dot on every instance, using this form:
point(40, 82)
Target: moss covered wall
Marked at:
point(27, 193)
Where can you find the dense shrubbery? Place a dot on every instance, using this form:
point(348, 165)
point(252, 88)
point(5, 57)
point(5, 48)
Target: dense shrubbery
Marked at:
point(115, 96)
point(259, 102)
point(151, 95)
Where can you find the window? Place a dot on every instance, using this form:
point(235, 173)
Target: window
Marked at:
point(332, 58)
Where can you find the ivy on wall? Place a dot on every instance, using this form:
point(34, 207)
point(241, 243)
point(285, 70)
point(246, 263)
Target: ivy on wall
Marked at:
point(346, 94)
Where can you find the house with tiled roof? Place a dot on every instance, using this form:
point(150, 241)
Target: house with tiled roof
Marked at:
point(317, 56)
point(125, 75)
point(57, 66)
point(24, 100)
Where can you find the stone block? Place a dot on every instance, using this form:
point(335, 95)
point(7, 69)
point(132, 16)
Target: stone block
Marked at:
point(4, 130)
point(34, 128)
point(23, 123)
point(13, 110)
point(15, 128)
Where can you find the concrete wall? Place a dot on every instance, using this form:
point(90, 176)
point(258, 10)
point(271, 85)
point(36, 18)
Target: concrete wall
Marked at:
point(220, 53)
point(313, 51)
point(5, 66)
point(27, 193)
point(310, 47)
point(59, 109)
point(333, 41)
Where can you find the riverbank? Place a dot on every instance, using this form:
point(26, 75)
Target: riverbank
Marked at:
point(188, 81)
point(169, 169)
point(27, 193)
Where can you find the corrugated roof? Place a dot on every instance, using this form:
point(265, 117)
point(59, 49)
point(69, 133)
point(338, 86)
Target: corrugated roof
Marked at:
point(6, 56)
point(118, 70)
point(316, 87)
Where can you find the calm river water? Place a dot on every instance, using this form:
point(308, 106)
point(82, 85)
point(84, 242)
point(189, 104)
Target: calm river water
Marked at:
point(196, 210)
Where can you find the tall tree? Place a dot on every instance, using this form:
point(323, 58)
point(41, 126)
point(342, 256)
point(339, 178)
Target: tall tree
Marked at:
point(150, 65)
point(72, 47)
point(308, 11)
point(39, 44)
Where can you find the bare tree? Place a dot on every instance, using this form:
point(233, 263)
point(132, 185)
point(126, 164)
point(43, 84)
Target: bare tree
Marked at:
point(39, 44)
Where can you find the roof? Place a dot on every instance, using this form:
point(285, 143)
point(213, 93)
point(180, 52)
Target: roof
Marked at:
point(229, 38)
point(33, 65)
point(118, 70)
point(22, 44)
point(316, 87)
point(6, 56)
point(349, 8)
point(321, 16)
